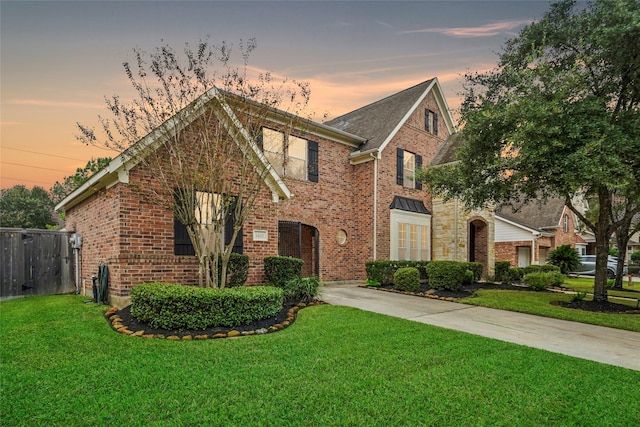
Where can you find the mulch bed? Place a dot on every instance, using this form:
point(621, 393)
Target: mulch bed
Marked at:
point(469, 290)
point(123, 322)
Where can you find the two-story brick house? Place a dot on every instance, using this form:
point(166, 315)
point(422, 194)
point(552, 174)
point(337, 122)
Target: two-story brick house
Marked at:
point(337, 195)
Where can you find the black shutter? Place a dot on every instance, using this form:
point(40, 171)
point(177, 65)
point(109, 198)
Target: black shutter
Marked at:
point(400, 166)
point(418, 166)
point(435, 123)
point(427, 124)
point(312, 161)
point(181, 241)
point(228, 230)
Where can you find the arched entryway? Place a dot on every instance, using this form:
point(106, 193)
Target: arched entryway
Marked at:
point(479, 242)
point(300, 241)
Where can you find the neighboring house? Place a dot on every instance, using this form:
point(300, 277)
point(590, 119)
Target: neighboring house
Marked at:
point(459, 234)
point(525, 234)
point(352, 198)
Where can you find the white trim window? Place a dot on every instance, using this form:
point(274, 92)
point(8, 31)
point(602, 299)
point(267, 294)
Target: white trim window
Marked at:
point(410, 235)
point(291, 156)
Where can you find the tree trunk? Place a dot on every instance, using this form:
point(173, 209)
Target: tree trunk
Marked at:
point(602, 246)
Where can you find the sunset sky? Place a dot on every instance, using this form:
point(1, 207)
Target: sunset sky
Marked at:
point(60, 59)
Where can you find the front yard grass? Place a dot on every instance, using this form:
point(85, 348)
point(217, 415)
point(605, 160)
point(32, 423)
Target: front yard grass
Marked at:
point(61, 364)
point(539, 303)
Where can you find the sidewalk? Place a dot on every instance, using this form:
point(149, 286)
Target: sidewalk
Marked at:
point(605, 345)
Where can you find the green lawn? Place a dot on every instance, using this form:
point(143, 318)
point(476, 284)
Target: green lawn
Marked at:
point(583, 284)
point(61, 364)
point(539, 303)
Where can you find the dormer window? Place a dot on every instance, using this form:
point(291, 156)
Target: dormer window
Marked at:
point(431, 121)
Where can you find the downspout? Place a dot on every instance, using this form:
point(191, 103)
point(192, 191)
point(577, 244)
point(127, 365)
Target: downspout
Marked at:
point(375, 205)
point(455, 229)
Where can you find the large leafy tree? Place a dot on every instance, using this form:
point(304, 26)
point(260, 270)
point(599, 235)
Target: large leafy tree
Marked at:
point(24, 208)
point(60, 190)
point(190, 109)
point(558, 116)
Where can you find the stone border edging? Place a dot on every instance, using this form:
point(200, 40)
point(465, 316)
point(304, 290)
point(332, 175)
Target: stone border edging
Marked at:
point(116, 323)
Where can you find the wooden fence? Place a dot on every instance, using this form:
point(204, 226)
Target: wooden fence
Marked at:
point(35, 262)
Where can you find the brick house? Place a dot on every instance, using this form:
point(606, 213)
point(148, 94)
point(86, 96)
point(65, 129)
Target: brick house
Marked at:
point(527, 234)
point(462, 235)
point(351, 198)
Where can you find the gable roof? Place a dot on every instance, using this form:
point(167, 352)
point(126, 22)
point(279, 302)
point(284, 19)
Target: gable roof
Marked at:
point(380, 121)
point(447, 151)
point(536, 215)
point(117, 170)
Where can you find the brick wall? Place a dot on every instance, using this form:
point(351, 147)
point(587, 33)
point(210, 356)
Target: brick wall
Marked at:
point(414, 138)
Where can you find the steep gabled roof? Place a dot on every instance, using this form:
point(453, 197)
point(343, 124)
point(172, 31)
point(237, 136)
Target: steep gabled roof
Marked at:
point(378, 122)
point(535, 214)
point(117, 170)
point(447, 151)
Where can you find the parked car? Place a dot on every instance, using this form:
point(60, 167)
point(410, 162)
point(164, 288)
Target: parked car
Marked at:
point(588, 266)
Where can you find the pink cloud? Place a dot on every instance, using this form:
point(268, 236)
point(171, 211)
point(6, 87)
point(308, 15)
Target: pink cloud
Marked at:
point(487, 30)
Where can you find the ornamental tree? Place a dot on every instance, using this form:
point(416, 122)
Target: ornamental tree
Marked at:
point(190, 109)
point(558, 116)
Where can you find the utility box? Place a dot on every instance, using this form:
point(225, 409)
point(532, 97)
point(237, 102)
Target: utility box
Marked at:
point(76, 241)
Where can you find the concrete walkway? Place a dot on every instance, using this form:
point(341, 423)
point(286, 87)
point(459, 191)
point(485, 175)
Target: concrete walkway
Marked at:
point(597, 343)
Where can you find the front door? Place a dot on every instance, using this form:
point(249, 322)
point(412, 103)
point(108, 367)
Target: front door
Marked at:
point(524, 256)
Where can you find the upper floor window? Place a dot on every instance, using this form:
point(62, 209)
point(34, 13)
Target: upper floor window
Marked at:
point(407, 163)
point(290, 155)
point(431, 121)
point(565, 223)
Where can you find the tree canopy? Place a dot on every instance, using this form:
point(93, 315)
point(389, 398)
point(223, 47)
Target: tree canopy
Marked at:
point(24, 208)
point(558, 116)
point(193, 107)
point(60, 190)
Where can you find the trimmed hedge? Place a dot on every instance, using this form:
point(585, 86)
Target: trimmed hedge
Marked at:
point(278, 270)
point(237, 270)
point(446, 275)
point(515, 274)
point(407, 279)
point(476, 269)
point(544, 268)
point(172, 306)
point(502, 271)
point(541, 280)
point(382, 271)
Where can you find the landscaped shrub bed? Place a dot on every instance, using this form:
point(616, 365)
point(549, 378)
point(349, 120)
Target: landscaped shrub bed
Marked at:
point(278, 270)
point(542, 280)
point(407, 279)
point(171, 306)
point(446, 275)
point(382, 271)
point(237, 270)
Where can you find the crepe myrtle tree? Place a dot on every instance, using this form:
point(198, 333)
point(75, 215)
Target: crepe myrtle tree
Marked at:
point(190, 110)
point(558, 116)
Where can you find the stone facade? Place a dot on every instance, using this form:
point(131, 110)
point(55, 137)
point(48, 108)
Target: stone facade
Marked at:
point(460, 235)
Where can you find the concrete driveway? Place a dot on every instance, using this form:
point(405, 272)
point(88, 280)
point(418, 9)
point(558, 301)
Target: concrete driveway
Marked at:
point(597, 343)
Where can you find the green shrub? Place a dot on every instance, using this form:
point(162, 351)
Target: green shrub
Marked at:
point(635, 257)
point(171, 306)
point(407, 279)
point(502, 271)
point(468, 278)
point(382, 271)
point(476, 269)
point(278, 270)
point(237, 270)
point(565, 257)
point(611, 283)
point(446, 275)
point(515, 274)
point(373, 283)
point(541, 280)
point(578, 296)
point(302, 289)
